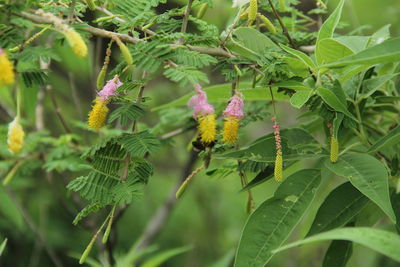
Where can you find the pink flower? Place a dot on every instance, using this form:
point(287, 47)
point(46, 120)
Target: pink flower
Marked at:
point(110, 88)
point(235, 108)
point(199, 103)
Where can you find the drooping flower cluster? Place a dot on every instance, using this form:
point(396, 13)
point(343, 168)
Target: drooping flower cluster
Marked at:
point(203, 112)
point(74, 39)
point(233, 114)
point(6, 69)
point(98, 114)
point(15, 138)
point(278, 170)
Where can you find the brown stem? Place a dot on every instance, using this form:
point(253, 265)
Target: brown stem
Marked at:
point(186, 16)
point(284, 29)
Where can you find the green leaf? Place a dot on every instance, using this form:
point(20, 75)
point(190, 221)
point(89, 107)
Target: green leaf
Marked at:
point(162, 257)
point(393, 137)
point(384, 242)
point(338, 254)
point(380, 35)
point(371, 85)
point(300, 55)
point(331, 50)
point(300, 98)
point(382, 53)
point(3, 246)
point(292, 84)
point(186, 75)
point(334, 102)
point(91, 208)
point(273, 221)
point(222, 93)
point(368, 175)
point(339, 207)
point(296, 144)
point(355, 43)
point(127, 112)
point(328, 28)
point(249, 43)
point(127, 191)
point(139, 144)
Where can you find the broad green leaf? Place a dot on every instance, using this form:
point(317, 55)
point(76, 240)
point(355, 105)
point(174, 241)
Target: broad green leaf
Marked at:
point(355, 43)
point(382, 53)
point(162, 257)
point(380, 35)
point(3, 246)
point(273, 221)
point(261, 177)
point(384, 242)
point(393, 137)
point(249, 43)
point(291, 84)
point(300, 55)
point(222, 93)
point(331, 50)
point(334, 102)
point(350, 71)
point(368, 175)
point(300, 98)
point(371, 85)
point(338, 254)
point(395, 198)
point(339, 207)
point(328, 28)
point(297, 144)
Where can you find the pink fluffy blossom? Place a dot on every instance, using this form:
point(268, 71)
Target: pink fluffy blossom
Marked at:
point(110, 88)
point(199, 103)
point(235, 108)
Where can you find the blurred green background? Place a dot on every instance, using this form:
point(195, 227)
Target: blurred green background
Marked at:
point(210, 216)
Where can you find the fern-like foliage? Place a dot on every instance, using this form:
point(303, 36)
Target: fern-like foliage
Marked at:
point(193, 58)
point(139, 144)
point(128, 111)
point(91, 208)
point(34, 77)
point(186, 75)
point(150, 55)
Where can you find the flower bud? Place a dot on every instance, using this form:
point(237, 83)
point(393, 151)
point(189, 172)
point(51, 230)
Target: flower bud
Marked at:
point(76, 42)
point(334, 149)
point(16, 136)
point(6, 67)
point(253, 9)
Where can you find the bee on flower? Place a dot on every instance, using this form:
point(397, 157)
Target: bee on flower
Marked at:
point(204, 113)
point(98, 114)
point(6, 67)
point(233, 114)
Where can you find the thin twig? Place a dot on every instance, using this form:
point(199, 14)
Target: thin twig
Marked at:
point(284, 29)
point(186, 16)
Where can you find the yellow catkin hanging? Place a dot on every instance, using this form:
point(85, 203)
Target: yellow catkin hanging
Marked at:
point(124, 51)
point(253, 9)
point(76, 42)
point(202, 10)
point(230, 133)
point(278, 167)
point(207, 127)
point(268, 24)
point(6, 69)
point(16, 136)
point(98, 115)
point(334, 149)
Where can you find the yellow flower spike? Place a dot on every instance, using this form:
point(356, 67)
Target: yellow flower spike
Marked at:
point(207, 127)
point(334, 149)
point(98, 115)
point(230, 133)
point(278, 167)
point(6, 67)
point(16, 136)
point(76, 42)
point(253, 9)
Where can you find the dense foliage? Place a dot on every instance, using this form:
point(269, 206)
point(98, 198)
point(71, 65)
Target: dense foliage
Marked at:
point(340, 155)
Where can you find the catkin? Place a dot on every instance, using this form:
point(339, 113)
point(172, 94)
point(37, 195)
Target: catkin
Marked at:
point(124, 51)
point(334, 150)
point(253, 9)
point(278, 167)
point(6, 67)
point(230, 133)
point(91, 5)
point(268, 24)
point(202, 10)
point(207, 128)
point(16, 136)
point(76, 42)
point(98, 115)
